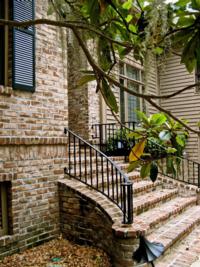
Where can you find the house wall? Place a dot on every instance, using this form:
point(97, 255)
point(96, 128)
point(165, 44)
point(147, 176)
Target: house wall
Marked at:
point(173, 77)
point(84, 102)
point(32, 143)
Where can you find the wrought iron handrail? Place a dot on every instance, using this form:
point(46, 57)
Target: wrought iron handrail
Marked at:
point(186, 170)
point(111, 137)
point(92, 167)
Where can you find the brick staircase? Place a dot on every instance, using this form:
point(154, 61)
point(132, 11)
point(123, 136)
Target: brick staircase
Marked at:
point(165, 211)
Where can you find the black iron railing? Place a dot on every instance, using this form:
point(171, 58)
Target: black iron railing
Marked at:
point(111, 138)
point(182, 169)
point(92, 167)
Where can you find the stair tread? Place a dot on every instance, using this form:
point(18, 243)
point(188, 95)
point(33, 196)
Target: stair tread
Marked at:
point(185, 253)
point(166, 210)
point(176, 227)
point(152, 197)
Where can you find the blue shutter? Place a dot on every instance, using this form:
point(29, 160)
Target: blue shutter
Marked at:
point(23, 47)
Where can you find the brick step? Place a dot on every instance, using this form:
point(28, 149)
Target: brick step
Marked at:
point(160, 214)
point(176, 229)
point(149, 200)
point(185, 253)
point(139, 187)
point(134, 175)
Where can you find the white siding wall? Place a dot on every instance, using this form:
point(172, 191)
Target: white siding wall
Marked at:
point(173, 77)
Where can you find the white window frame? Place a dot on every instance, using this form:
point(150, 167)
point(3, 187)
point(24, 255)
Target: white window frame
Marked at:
point(139, 83)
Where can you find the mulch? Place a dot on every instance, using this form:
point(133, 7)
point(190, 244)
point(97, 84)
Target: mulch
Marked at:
point(58, 253)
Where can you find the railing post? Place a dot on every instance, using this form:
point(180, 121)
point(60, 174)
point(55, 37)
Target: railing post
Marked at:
point(198, 190)
point(198, 175)
point(128, 202)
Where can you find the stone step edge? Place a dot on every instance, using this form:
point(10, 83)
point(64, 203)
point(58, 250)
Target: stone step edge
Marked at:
point(189, 226)
point(175, 211)
point(183, 252)
point(148, 204)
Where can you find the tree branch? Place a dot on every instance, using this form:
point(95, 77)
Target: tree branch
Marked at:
point(66, 24)
point(77, 25)
point(111, 80)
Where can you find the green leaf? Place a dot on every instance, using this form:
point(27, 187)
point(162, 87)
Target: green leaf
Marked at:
point(109, 96)
point(165, 135)
point(196, 4)
point(189, 54)
point(142, 117)
point(158, 50)
point(153, 172)
point(136, 135)
point(133, 165)
point(158, 119)
point(145, 170)
point(85, 79)
point(171, 150)
point(132, 28)
point(94, 11)
point(128, 4)
point(129, 18)
point(104, 54)
point(180, 140)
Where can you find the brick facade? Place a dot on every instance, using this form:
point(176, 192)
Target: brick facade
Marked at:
point(32, 143)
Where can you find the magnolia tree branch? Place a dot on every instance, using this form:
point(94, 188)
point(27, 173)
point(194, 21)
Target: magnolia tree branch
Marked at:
point(111, 80)
point(75, 26)
point(66, 24)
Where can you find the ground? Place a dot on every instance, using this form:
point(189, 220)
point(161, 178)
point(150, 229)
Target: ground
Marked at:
point(58, 253)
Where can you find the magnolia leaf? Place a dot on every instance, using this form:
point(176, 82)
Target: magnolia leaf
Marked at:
point(142, 117)
point(137, 151)
point(158, 50)
point(165, 135)
point(145, 170)
point(158, 119)
point(196, 4)
point(171, 150)
point(136, 135)
point(133, 165)
point(189, 53)
point(109, 96)
point(85, 79)
point(129, 18)
point(153, 172)
point(128, 4)
point(180, 140)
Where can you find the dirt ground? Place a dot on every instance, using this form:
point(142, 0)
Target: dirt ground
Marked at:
point(58, 253)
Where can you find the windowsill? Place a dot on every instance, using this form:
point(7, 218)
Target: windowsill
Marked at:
point(5, 90)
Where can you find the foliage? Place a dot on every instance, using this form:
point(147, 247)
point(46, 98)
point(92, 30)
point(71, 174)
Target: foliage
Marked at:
point(158, 136)
point(119, 140)
point(144, 28)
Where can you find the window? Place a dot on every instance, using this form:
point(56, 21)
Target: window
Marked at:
point(23, 45)
point(132, 78)
point(5, 189)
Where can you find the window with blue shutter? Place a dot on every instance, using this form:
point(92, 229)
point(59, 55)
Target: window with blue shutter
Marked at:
point(23, 47)
point(2, 44)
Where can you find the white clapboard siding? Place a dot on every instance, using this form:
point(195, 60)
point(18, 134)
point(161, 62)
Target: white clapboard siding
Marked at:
point(173, 76)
